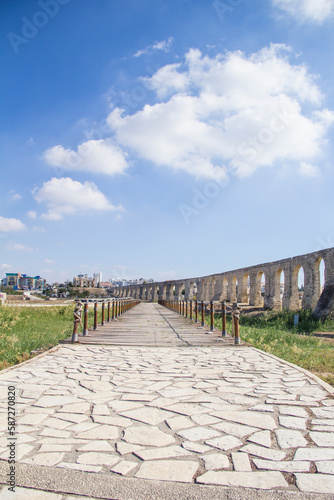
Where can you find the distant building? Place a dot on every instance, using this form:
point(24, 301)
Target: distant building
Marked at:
point(126, 282)
point(83, 281)
point(97, 278)
point(105, 284)
point(18, 281)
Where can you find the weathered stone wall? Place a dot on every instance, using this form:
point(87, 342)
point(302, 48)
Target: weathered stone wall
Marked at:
point(325, 305)
point(244, 285)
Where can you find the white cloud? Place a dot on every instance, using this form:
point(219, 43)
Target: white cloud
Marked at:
point(8, 225)
point(97, 156)
point(307, 10)
point(19, 246)
point(49, 261)
point(66, 196)
point(32, 214)
point(14, 195)
point(166, 80)
point(229, 113)
point(308, 170)
point(164, 45)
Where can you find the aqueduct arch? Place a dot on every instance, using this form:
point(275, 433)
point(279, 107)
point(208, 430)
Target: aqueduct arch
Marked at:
point(259, 285)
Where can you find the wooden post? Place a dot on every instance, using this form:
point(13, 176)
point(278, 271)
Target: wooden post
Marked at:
point(236, 328)
point(95, 315)
point(224, 331)
point(85, 327)
point(203, 313)
point(211, 315)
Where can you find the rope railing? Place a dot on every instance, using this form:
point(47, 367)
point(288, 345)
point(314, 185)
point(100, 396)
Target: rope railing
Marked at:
point(115, 308)
point(193, 309)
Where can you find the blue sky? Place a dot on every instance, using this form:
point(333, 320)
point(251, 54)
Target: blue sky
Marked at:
point(164, 138)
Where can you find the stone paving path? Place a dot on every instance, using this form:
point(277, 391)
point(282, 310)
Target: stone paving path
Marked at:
point(210, 415)
point(154, 325)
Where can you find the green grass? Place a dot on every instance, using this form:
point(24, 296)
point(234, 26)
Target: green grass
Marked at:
point(275, 333)
point(24, 329)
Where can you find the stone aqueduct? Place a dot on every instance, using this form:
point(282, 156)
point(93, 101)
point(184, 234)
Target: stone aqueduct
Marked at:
point(259, 285)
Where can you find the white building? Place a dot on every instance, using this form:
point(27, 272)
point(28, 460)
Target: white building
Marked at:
point(97, 278)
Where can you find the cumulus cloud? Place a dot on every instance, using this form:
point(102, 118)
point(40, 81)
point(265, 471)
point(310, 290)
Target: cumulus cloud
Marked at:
point(307, 10)
point(167, 80)
point(66, 196)
point(49, 261)
point(164, 45)
point(14, 195)
point(9, 225)
point(32, 214)
point(232, 112)
point(98, 156)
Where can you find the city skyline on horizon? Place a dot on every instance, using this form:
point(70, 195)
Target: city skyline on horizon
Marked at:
point(167, 139)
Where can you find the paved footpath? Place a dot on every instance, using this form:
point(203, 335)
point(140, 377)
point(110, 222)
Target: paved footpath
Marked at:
point(167, 419)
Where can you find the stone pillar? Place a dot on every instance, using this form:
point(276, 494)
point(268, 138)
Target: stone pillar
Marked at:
point(211, 288)
point(269, 290)
point(288, 296)
point(276, 290)
point(233, 289)
point(253, 292)
point(200, 290)
point(218, 287)
point(243, 288)
point(187, 290)
point(169, 292)
point(308, 285)
point(291, 294)
point(316, 282)
point(155, 295)
point(224, 295)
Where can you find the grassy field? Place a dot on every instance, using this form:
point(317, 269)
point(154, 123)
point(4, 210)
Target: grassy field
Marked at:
point(24, 329)
point(275, 333)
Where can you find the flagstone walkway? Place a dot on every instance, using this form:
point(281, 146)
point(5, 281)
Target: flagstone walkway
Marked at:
point(211, 415)
point(153, 325)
